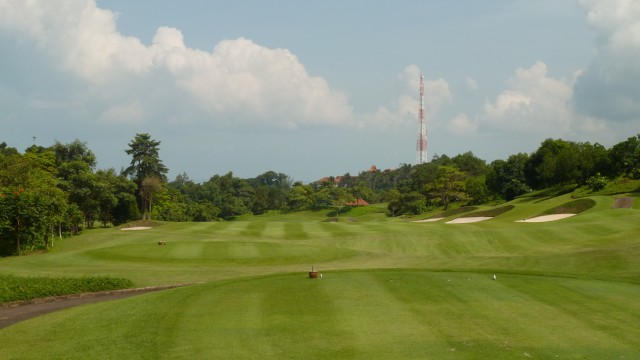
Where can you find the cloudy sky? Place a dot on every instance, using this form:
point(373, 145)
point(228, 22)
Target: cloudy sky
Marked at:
point(316, 88)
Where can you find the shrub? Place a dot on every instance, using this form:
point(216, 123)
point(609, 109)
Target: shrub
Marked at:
point(596, 182)
point(17, 288)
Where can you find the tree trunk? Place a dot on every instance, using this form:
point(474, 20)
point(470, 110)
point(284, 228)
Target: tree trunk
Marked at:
point(18, 235)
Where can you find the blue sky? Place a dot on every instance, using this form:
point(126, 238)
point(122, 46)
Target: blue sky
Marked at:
point(316, 88)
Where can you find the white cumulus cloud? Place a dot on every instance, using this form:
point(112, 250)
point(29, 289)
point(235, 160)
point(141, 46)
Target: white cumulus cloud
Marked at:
point(238, 79)
point(462, 125)
point(472, 84)
point(608, 87)
point(437, 92)
point(534, 103)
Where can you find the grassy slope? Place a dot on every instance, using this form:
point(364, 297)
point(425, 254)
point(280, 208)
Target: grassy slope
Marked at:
point(362, 314)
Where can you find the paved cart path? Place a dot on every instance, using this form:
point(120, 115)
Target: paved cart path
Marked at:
point(12, 313)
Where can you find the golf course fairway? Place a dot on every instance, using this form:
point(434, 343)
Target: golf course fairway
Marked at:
point(390, 289)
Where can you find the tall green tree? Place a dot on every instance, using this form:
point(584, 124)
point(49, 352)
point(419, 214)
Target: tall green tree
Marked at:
point(146, 170)
point(145, 159)
point(507, 178)
point(392, 197)
point(299, 197)
point(422, 174)
point(555, 162)
point(30, 203)
point(232, 195)
point(74, 151)
point(412, 203)
point(625, 158)
point(270, 191)
point(151, 185)
point(75, 165)
point(340, 197)
point(470, 164)
point(447, 187)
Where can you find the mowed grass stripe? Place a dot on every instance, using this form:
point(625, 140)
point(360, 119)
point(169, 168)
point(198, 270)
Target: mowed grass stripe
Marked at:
point(220, 253)
point(295, 231)
point(272, 318)
point(354, 315)
point(609, 311)
point(253, 229)
point(378, 324)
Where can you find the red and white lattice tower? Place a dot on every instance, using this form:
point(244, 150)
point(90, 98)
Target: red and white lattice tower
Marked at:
point(421, 146)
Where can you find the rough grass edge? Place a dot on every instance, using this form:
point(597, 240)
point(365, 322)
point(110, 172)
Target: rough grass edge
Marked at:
point(90, 295)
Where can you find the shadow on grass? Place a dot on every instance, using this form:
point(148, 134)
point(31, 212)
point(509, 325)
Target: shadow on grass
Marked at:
point(572, 207)
point(491, 212)
point(546, 194)
point(458, 211)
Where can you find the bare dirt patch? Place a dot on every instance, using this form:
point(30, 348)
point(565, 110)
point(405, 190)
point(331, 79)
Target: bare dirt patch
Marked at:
point(13, 312)
point(623, 203)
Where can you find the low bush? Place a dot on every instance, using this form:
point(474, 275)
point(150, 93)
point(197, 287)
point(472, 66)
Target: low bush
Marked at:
point(17, 288)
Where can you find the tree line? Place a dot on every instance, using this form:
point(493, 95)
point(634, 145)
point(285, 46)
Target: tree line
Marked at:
point(55, 191)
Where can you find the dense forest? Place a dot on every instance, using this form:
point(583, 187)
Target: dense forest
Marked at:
point(56, 191)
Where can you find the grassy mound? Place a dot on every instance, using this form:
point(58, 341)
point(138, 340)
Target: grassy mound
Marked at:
point(490, 212)
point(452, 212)
point(572, 207)
point(615, 187)
point(548, 193)
point(17, 288)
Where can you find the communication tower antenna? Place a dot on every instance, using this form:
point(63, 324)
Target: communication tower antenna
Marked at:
point(421, 146)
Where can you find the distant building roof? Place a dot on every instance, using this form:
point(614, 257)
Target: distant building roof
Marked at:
point(358, 202)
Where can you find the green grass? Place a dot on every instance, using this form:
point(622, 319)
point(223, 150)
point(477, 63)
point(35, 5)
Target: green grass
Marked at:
point(391, 288)
point(379, 314)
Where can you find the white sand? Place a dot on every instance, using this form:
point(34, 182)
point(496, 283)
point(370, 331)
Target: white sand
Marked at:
point(137, 228)
point(466, 220)
point(546, 218)
point(429, 220)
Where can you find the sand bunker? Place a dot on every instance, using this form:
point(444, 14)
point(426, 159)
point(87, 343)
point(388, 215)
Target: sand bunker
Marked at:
point(466, 220)
point(137, 228)
point(546, 218)
point(429, 220)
